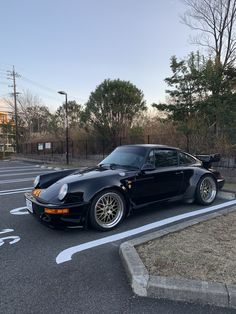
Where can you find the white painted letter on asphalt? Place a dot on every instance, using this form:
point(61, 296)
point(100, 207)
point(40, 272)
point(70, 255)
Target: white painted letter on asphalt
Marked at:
point(6, 230)
point(14, 239)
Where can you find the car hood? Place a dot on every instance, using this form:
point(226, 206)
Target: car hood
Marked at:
point(78, 180)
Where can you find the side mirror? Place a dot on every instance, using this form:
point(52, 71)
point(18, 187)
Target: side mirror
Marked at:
point(147, 167)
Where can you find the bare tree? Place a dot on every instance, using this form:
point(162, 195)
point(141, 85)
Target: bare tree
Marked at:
point(25, 100)
point(33, 116)
point(215, 22)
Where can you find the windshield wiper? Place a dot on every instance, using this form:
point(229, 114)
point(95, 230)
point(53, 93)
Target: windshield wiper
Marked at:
point(113, 166)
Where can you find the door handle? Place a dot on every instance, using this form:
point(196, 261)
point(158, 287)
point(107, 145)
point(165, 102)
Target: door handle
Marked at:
point(179, 172)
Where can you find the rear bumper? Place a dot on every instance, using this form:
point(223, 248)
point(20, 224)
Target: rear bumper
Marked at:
point(220, 183)
point(76, 216)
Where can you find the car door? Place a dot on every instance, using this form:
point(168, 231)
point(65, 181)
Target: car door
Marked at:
point(164, 181)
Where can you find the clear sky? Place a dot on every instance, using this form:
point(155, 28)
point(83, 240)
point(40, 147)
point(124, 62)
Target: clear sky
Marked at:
point(73, 45)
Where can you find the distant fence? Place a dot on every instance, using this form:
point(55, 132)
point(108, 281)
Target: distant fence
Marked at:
point(77, 149)
point(98, 149)
point(80, 149)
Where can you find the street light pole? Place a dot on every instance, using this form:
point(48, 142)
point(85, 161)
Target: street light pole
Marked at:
point(67, 128)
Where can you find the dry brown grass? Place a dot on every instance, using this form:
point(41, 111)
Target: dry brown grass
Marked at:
point(206, 251)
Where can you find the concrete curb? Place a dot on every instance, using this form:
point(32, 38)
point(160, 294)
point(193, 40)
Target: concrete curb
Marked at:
point(226, 195)
point(195, 291)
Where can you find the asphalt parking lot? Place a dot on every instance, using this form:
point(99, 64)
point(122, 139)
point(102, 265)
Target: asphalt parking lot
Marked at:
point(45, 270)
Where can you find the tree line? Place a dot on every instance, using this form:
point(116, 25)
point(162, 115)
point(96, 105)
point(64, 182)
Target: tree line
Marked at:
point(202, 86)
point(200, 105)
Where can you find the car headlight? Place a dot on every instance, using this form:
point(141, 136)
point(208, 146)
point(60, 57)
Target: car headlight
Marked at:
point(63, 191)
point(36, 181)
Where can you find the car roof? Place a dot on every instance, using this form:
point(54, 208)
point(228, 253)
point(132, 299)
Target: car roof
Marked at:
point(150, 146)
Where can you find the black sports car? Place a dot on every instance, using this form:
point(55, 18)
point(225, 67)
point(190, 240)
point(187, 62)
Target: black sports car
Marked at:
point(130, 177)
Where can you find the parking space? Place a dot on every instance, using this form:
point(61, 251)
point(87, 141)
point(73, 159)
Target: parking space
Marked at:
point(35, 280)
point(16, 175)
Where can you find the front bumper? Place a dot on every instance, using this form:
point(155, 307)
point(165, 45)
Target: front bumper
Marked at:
point(77, 212)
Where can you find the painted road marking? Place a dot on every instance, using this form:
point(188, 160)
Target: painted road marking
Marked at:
point(22, 173)
point(20, 169)
point(15, 191)
point(19, 211)
point(13, 239)
point(3, 191)
point(66, 255)
point(6, 230)
point(16, 180)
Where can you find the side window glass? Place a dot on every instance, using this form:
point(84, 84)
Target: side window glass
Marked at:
point(185, 159)
point(151, 159)
point(166, 158)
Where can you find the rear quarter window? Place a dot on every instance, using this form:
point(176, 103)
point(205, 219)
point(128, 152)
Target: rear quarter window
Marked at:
point(185, 159)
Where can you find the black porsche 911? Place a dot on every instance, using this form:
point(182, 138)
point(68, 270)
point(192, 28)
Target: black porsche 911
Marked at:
point(130, 177)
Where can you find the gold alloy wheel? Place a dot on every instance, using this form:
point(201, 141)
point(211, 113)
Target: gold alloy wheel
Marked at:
point(109, 210)
point(208, 189)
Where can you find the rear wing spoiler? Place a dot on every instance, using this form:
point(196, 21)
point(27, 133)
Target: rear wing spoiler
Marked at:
point(208, 159)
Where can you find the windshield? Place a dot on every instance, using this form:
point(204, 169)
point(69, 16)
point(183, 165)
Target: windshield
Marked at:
point(128, 157)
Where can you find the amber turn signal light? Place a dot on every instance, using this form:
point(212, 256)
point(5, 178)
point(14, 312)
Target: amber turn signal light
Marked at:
point(36, 192)
point(56, 211)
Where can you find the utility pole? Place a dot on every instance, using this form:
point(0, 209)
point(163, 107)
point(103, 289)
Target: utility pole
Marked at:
point(13, 76)
point(15, 106)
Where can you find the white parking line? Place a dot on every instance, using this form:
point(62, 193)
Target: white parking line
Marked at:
point(66, 255)
point(15, 191)
point(16, 180)
point(20, 169)
point(19, 211)
point(22, 173)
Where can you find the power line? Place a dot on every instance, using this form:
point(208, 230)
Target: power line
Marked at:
point(41, 93)
point(38, 85)
point(52, 97)
point(45, 87)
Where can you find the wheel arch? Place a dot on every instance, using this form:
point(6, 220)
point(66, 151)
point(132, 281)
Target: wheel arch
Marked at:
point(199, 173)
point(118, 189)
point(98, 194)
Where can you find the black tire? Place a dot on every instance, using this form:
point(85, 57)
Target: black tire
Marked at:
point(206, 190)
point(107, 210)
